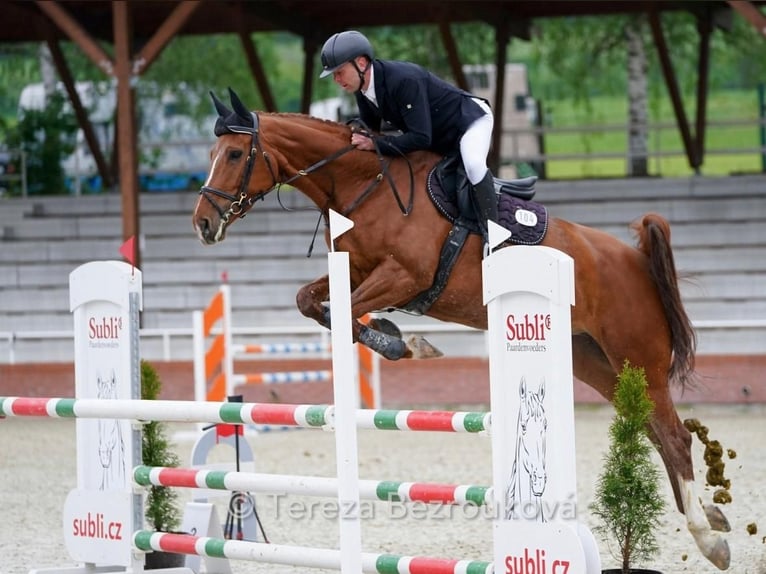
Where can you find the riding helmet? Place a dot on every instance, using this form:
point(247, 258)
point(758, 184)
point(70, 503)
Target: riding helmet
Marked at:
point(344, 47)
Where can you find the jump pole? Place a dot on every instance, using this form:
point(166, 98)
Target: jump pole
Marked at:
point(305, 557)
point(381, 490)
point(304, 416)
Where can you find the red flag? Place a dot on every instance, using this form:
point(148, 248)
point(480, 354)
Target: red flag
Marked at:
point(224, 430)
point(128, 250)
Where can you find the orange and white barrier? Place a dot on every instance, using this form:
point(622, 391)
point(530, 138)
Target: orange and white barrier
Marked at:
point(214, 354)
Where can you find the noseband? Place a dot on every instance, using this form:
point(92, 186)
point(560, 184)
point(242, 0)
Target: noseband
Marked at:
point(241, 203)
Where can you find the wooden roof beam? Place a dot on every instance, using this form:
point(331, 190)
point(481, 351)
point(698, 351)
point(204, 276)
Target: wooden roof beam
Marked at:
point(256, 67)
point(310, 46)
point(673, 90)
point(705, 29)
point(281, 18)
point(79, 110)
point(502, 37)
point(77, 34)
point(751, 13)
point(126, 137)
point(454, 58)
point(167, 30)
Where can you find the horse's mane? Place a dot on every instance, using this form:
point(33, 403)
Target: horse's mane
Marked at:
point(312, 122)
point(342, 133)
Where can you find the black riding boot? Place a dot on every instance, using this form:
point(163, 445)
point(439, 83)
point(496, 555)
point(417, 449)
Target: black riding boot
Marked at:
point(485, 203)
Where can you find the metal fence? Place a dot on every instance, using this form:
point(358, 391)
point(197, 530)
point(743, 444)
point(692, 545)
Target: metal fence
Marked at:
point(515, 150)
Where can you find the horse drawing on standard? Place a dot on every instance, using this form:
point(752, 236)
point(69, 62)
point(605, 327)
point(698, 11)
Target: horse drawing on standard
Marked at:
point(111, 446)
point(628, 302)
point(523, 497)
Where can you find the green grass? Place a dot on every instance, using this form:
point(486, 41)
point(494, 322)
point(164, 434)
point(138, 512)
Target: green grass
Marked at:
point(612, 111)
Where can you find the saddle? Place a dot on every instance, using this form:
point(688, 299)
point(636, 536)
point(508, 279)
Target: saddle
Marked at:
point(449, 190)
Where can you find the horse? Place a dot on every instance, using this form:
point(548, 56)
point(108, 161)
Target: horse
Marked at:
point(523, 497)
point(111, 446)
point(628, 301)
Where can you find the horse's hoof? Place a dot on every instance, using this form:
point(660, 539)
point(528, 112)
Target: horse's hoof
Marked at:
point(716, 518)
point(720, 555)
point(385, 326)
point(422, 349)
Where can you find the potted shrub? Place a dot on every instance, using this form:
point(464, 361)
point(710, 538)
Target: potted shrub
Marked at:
point(628, 500)
point(161, 505)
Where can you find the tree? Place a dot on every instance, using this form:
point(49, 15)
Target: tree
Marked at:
point(628, 498)
point(18, 67)
point(611, 53)
point(46, 136)
point(475, 41)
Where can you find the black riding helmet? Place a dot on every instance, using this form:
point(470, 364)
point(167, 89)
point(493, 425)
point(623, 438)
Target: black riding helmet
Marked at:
point(344, 47)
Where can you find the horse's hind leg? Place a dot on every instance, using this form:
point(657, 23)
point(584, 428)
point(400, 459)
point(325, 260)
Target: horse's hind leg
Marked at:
point(666, 431)
point(673, 442)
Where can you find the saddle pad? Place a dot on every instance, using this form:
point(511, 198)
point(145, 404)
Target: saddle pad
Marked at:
point(526, 220)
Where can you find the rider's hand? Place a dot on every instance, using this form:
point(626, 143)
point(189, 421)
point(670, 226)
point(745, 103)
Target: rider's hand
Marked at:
point(362, 142)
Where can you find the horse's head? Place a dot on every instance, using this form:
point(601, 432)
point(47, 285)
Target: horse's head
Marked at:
point(532, 427)
point(241, 171)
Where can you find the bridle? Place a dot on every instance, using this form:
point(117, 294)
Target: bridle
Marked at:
point(241, 203)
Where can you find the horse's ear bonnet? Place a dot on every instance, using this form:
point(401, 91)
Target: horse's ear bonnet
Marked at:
point(237, 121)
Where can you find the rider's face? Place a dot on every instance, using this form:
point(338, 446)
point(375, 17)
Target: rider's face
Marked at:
point(347, 77)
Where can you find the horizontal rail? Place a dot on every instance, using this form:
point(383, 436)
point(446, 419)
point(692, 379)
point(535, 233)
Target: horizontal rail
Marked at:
point(382, 490)
point(279, 378)
point(306, 416)
point(282, 348)
point(302, 557)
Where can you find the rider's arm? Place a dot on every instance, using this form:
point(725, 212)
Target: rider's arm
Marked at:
point(410, 96)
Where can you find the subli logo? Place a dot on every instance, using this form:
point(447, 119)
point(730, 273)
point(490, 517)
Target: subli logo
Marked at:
point(528, 328)
point(104, 328)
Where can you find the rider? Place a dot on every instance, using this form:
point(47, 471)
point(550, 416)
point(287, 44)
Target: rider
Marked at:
point(431, 113)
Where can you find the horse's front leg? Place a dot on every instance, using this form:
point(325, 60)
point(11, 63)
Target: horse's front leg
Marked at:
point(388, 286)
point(381, 336)
point(312, 300)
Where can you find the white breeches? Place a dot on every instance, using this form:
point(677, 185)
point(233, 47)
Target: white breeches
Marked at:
point(475, 143)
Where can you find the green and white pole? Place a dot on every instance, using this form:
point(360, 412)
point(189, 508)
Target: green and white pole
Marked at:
point(303, 557)
point(383, 490)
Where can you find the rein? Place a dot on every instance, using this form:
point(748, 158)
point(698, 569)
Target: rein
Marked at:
point(384, 171)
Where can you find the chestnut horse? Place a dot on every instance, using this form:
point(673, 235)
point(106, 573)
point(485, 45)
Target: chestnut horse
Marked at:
point(628, 302)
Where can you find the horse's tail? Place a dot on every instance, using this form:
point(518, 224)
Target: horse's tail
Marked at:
point(653, 233)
